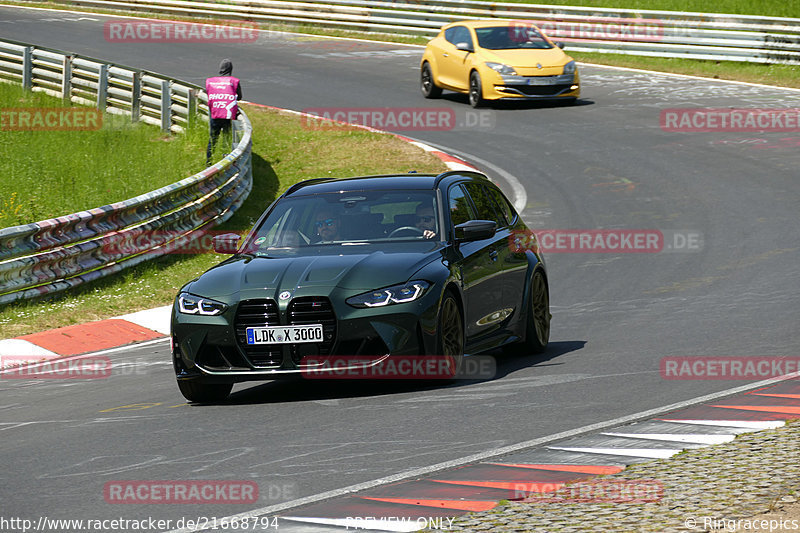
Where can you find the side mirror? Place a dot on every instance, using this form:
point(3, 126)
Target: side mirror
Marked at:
point(465, 47)
point(227, 243)
point(475, 230)
point(560, 45)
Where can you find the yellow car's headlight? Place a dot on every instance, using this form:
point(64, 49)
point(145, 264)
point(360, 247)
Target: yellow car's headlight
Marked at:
point(501, 68)
point(570, 68)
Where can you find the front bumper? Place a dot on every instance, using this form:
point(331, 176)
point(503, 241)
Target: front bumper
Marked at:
point(533, 87)
point(214, 349)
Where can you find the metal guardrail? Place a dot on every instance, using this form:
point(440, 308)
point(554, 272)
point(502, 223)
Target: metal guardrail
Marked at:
point(711, 36)
point(63, 252)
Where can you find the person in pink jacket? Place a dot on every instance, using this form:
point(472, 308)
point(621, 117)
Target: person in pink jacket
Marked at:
point(224, 91)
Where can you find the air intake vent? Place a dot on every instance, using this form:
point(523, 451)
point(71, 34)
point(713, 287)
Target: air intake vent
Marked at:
point(313, 310)
point(258, 314)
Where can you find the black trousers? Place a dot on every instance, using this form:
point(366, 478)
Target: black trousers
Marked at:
point(217, 126)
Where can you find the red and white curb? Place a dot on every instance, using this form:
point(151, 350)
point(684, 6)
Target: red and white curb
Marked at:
point(451, 162)
point(84, 338)
point(435, 500)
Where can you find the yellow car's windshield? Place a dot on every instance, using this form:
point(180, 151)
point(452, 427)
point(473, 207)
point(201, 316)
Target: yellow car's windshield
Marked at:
point(510, 37)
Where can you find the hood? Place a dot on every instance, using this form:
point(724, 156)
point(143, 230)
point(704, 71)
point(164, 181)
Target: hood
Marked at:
point(225, 67)
point(519, 57)
point(266, 277)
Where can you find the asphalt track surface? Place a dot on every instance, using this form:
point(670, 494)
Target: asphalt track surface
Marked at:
point(604, 163)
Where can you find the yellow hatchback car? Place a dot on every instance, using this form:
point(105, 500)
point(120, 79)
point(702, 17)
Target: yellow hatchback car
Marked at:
point(494, 59)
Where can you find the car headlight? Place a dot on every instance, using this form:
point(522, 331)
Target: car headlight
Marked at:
point(501, 68)
point(569, 68)
point(397, 294)
point(190, 304)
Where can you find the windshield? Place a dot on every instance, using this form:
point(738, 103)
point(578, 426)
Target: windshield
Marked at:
point(510, 37)
point(347, 218)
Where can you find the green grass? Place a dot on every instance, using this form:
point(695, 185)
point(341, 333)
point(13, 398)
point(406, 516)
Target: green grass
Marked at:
point(284, 152)
point(91, 168)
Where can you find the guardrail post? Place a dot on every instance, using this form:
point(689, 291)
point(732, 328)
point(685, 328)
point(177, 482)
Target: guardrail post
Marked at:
point(136, 96)
point(166, 106)
point(27, 68)
point(102, 87)
point(191, 107)
point(66, 79)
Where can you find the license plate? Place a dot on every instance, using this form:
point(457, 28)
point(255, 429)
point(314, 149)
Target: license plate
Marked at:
point(285, 334)
point(541, 81)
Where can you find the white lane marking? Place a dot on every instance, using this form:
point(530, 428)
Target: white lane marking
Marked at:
point(21, 347)
point(520, 194)
point(156, 319)
point(688, 76)
point(651, 453)
point(752, 425)
point(92, 354)
point(677, 437)
point(402, 525)
point(496, 452)
point(164, 340)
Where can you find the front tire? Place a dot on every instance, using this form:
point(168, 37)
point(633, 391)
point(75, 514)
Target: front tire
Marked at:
point(537, 331)
point(427, 83)
point(475, 90)
point(450, 337)
point(197, 391)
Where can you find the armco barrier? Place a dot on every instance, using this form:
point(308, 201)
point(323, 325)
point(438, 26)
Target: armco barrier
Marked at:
point(63, 252)
point(145, 96)
point(711, 36)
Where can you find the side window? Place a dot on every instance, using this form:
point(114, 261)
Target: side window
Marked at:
point(484, 204)
point(462, 35)
point(460, 210)
point(450, 35)
point(502, 203)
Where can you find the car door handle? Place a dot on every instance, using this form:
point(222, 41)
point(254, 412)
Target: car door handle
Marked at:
point(444, 54)
point(493, 255)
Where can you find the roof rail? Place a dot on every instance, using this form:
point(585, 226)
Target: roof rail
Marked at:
point(449, 173)
point(301, 184)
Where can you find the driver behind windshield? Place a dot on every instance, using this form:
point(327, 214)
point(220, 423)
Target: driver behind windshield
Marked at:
point(426, 221)
point(326, 225)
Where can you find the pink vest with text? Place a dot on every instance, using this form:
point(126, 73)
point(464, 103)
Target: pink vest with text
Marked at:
point(221, 92)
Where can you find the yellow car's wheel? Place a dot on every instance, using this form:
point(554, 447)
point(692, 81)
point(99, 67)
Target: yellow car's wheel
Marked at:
point(427, 83)
point(475, 90)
